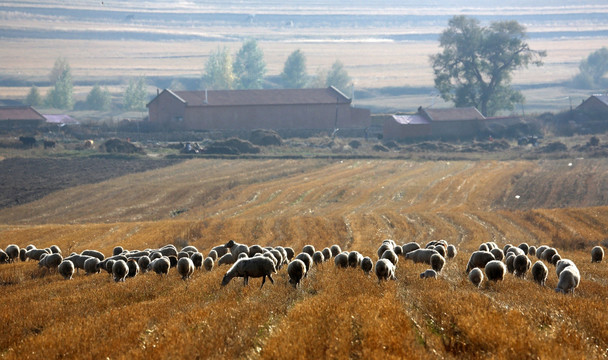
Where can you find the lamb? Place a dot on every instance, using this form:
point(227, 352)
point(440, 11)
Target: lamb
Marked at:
point(411, 246)
point(451, 251)
point(296, 271)
point(50, 261)
point(569, 280)
point(318, 258)
point(236, 248)
point(160, 266)
point(498, 254)
point(197, 259)
point(335, 250)
point(91, 266)
point(185, 267)
point(133, 268)
point(437, 262)
point(476, 276)
point(385, 270)
point(479, 259)
point(66, 269)
point(120, 270)
point(143, 263)
point(12, 251)
point(258, 266)
point(308, 249)
point(341, 260)
point(495, 270)
point(597, 254)
point(306, 259)
point(390, 256)
point(354, 259)
point(421, 255)
point(117, 250)
point(326, 254)
point(227, 259)
point(428, 274)
point(367, 265)
point(290, 253)
point(521, 265)
point(539, 272)
point(208, 264)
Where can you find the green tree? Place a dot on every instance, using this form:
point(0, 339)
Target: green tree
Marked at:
point(338, 77)
point(135, 94)
point(61, 95)
point(33, 97)
point(98, 99)
point(249, 66)
point(294, 72)
point(60, 66)
point(475, 66)
point(218, 71)
point(592, 69)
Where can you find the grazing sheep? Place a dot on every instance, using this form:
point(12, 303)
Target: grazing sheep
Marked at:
point(430, 244)
point(506, 247)
point(451, 251)
point(354, 259)
point(35, 254)
point(440, 249)
point(133, 268)
point(269, 255)
point(168, 250)
point(318, 258)
point(429, 274)
point(208, 264)
point(515, 251)
point(495, 270)
point(491, 245)
point(66, 269)
point(390, 256)
point(569, 280)
point(562, 264)
point(160, 266)
point(367, 265)
point(421, 255)
point(385, 270)
point(227, 259)
point(93, 253)
point(91, 266)
point(143, 263)
point(532, 250)
point(308, 249)
point(335, 250)
point(117, 250)
point(509, 263)
point(220, 251)
point(548, 254)
point(120, 270)
point(283, 255)
point(50, 261)
point(280, 260)
point(185, 267)
point(236, 248)
point(554, 259)
point(383, 248)
point(498, 254)
point(242, 256)
point(525, 248)
point(172, 260)
point(257, 266)
point(479, 259)
point(13, 252)
point(390, 242)
point(3, 257)
point(197, 259)
point(190, 249)
point(326, 254)
point(134, 254)
point(30, 247)
point(476, 276)
point(597, 254)
point(341, 260)
point(539, 272)
point(483, 247)
point(540, 250)
point(411, 246)
point(55, 249)
point(307, 259)
point(290, 253)
point(398, 250)
point(296, 271)
point(521, 265)
point(107, 266)
point(78, 260)
point(22, 255)
point(182, 254)
point(255, 249)
point(437, 262)
point(213, 255)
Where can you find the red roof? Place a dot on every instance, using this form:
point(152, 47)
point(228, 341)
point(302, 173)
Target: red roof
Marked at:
point(261, 97)
point(12, 113)
point(453, 114)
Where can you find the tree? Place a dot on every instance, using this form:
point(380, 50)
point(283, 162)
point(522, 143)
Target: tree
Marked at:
point(33, 97)
point(218, 71)
point(98, 99)
point(294, 72)
point(135, 94)
point(475, 66)
point(249, 66)
point(592, 69)
point(61, 95)
point(338, 77)
point(61, 65)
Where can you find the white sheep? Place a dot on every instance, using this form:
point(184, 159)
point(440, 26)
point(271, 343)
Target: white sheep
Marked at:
point(525, 247)
point(597, 254)
point(219, 250)
point(540, 250)
point(495, 270)
point(428, 274)
point(532, 250)
point(440, 249)
point(421, 255)
point(539, 272)
point(66, 269)
point(12, 251)
point(548, 254)
point(562, 264)
point(515, 251)
point(479, 259)
point(120, 270)
point(437, 262)
point(385, 270)
point(451, 251)
point(258, 266)
point(35, 254)
point(55, 249)
point(185, 267)
point(236, 248)
point(296, 271)
point(341, 260)
point(554, 259)
point(190, 249)
point(569, 280)
point(290, 253)
point(476, 276)
point(509, 262)
point(367, 265)
point(383, 248)
point(255, 249)
point(208, 264)
point(213, 255)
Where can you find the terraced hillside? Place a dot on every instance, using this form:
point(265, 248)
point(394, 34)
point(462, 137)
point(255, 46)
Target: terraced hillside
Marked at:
point(337, 313)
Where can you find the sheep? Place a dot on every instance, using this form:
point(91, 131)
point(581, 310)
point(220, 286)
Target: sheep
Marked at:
point(562, 264)
point(383, 248)
point(385, 270)
point(367, 265)
point(168, 250)
point(491, 245)
point(354, 259)
point(440, 249)
point(326, 254)
point(309, 249)
point(91, 266)
point(55, 249)
point(335, 250)
point(554, 259)
point(220, 251)
point(190, 249)
point(160, 266)
point(107, 266)
point(421, 255)
point(182, 254)
point(66, 269)
point(428, 274)
point(258, 266)
point(525, 248)
point(197, 259)
point(290, 253)
point(509, 262)
point(540, 250)
point(341, 260)
point(22, 255)
point(296, 271)
point(133, 268)
point(597, 254)
point(13, 252)
point(495, 270)
point(483, 247)
point(279, 256)
point(236, 248)
point(3, 257)
point(208, 264)
point(506, 247)
point(532, 250)
point(93, 253)
point(269, 255)
point(120, 270)
point(498, 254)
point(437, 262)
point(476, 276)
point(451, 251)
point(307, 259)
point(515, 251)
point(134, 254)
point(318, 258)
point(479, 259)
point(117, 250)
point(390, 256)
point(539, 272)
point(430, 244)
point(172, 260)
point(521, 265)
point(411, 246)
point(35, 254)
point(548, 254)
point(227, 259)
point(255, 249)
point(78, 260)
point(50, 261)
point(242, 256)
point(569, 280)
point(390, 242)
point(185, 267)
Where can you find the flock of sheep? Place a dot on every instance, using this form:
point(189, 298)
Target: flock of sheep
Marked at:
point(256, 261)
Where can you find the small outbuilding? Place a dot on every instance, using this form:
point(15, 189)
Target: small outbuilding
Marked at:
point(20, 117)
point(595, 106)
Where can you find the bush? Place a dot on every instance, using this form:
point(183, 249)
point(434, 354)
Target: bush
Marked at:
point(264, 137)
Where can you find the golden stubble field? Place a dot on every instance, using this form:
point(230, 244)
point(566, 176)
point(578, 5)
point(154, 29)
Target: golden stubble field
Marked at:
point(337, 313)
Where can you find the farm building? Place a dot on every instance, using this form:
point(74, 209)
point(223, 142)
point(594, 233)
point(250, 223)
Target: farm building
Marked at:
point(284, 110)
point(61, 120)
point(595, 105)
point(20, 116)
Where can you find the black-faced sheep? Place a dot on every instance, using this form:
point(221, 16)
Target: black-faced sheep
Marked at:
point(227, 259)
point(307, 259)
point(479, 259)
point(451, 251)
point(521, 265)
point(539, 272)
point(335, 250)
point(66, 269)
point(197, 259)
point(437, 262)
point(354, 259)
point(296, 271)
point(143, 263)
point(367, 265)
point(185, 267)
point(117, 250)
point(258, 266)
point(308, 249)
point(93, 253)
point(498, 254)
point(428, 274)
point(597, 254)
point(133, 268)
point(326, 254)
point(236, 248)
point(554, 259)
point(13, 252)
point(569, 280)
point(476, 276)
point(160, 266)
point(411, 246)
point(120, 270)
point(55, 249)
point(421, 255)
point(22, 255)
point(495, 270)
point(341, 260)
point(385, 270)
point(390, 255)
point(318, 258)
point(91, 266)
point(208, 264)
